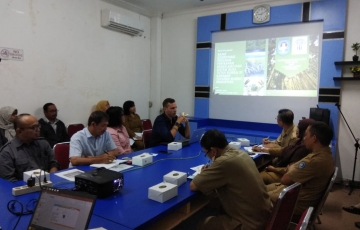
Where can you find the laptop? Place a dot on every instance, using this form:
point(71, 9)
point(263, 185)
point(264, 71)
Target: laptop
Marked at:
point(195, 137)
point(62, 209)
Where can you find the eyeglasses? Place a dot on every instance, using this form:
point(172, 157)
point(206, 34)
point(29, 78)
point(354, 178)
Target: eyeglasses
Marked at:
point(34, 127)
point(206, 153)
point(53, 111)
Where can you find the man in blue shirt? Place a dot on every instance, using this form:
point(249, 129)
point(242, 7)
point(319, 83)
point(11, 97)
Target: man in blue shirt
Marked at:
point(93, 144)
point(168, 124)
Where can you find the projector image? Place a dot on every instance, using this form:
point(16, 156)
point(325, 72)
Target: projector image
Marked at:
point(100, 182)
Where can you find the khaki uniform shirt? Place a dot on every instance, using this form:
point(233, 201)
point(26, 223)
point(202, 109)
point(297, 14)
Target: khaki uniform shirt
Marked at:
point(133, 124)
point(313, 172)
point(235, 178)
point(288, 137)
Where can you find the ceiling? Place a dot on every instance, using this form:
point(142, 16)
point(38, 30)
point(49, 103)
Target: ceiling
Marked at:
point(159, 7)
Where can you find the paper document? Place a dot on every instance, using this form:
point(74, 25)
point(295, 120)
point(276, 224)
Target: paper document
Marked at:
point(120, 167)
point(131, 141)
point(197, 170)
point(115, 162)
point(69, 174)
point(138, 134)
point(249, 149)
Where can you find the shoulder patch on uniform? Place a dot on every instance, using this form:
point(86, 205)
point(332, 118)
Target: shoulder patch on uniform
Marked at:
point(302, 165)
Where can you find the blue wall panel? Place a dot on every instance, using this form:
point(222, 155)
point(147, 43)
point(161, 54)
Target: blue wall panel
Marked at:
point(285, 14)
point(203, 65)
point(333, 12)
point(205, 26)
point(237, 20)
point(332, 50)
point(201, 107)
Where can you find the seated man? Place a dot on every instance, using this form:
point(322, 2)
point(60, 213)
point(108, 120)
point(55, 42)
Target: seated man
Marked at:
point(236, 180)
point(93, 144)
point(168, 124)
point(313, 171)
point(26, 151)
point(285, 119)
point(285, 156)
point(52, 129)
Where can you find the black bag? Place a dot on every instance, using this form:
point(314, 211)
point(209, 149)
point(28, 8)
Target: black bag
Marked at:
point(319, 114)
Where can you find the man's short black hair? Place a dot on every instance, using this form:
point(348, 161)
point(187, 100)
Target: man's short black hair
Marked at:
point(115, 113)
point(18, 123)
point(322, 131)
point(167, 101)
point(97, 117)
point(213, 138)
point(286, 116)
point(46, 106)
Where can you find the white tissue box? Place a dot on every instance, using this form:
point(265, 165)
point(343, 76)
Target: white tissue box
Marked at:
point(235, 145)
point(36, 174)
point(244, 141)
point(174, 146)
point(162, 192)
point(175, 177)
point(143, 159)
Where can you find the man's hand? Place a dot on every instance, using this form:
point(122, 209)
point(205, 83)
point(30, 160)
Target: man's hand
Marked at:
point(266, 141)
point(106, 158)
point(270, 168)
point(182, 119)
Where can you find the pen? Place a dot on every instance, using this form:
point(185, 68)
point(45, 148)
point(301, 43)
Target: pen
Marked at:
point(106, 152)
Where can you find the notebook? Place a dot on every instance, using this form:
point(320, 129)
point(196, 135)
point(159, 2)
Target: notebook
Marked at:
point(62, 209)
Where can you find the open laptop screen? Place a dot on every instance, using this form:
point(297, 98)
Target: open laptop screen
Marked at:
point(62, 209)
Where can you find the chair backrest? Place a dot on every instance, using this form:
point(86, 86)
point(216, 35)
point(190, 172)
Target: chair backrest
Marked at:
point(73, 128)
point(146, 124)
point(146, 138)
point(61, 152)
point(318, 207)
point(304, 220)
point(284, 208)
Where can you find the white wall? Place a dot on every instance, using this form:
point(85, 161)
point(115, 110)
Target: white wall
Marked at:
point(70, 60)
point(350, 97)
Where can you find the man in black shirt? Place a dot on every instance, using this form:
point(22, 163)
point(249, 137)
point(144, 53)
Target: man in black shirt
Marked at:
point(168, 124)
point(52, 129)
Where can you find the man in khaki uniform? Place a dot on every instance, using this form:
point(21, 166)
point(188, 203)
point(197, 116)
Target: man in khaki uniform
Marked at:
point(285, 119)
point(235, 179)
point(313, 171)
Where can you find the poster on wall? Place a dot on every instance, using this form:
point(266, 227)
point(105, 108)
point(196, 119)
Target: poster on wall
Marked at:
point(11, 54)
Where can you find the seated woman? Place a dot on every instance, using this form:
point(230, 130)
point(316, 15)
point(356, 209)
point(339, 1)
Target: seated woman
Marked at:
point(102, 105)
point(7, 117)
point(286, 156)
point(117, 130)
point(133, 124)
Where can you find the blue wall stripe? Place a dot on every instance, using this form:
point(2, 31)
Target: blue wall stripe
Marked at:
point(333, 12)
point(332, 50)
point(201, 107)
point(205, 27)
point(203, 65)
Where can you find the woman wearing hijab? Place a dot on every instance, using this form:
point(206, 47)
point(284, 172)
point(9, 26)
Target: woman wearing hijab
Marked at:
point(7, 117)
point(117, 130)
point(133, 124)
point(102, 105)
point(286, 156)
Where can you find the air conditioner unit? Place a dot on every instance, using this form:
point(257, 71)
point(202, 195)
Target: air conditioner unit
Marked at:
point(122, 23)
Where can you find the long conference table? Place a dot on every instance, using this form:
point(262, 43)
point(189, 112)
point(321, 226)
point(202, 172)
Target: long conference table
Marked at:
point(130, 208)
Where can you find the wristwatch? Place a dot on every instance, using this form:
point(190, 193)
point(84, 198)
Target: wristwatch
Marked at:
point(177, 124)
